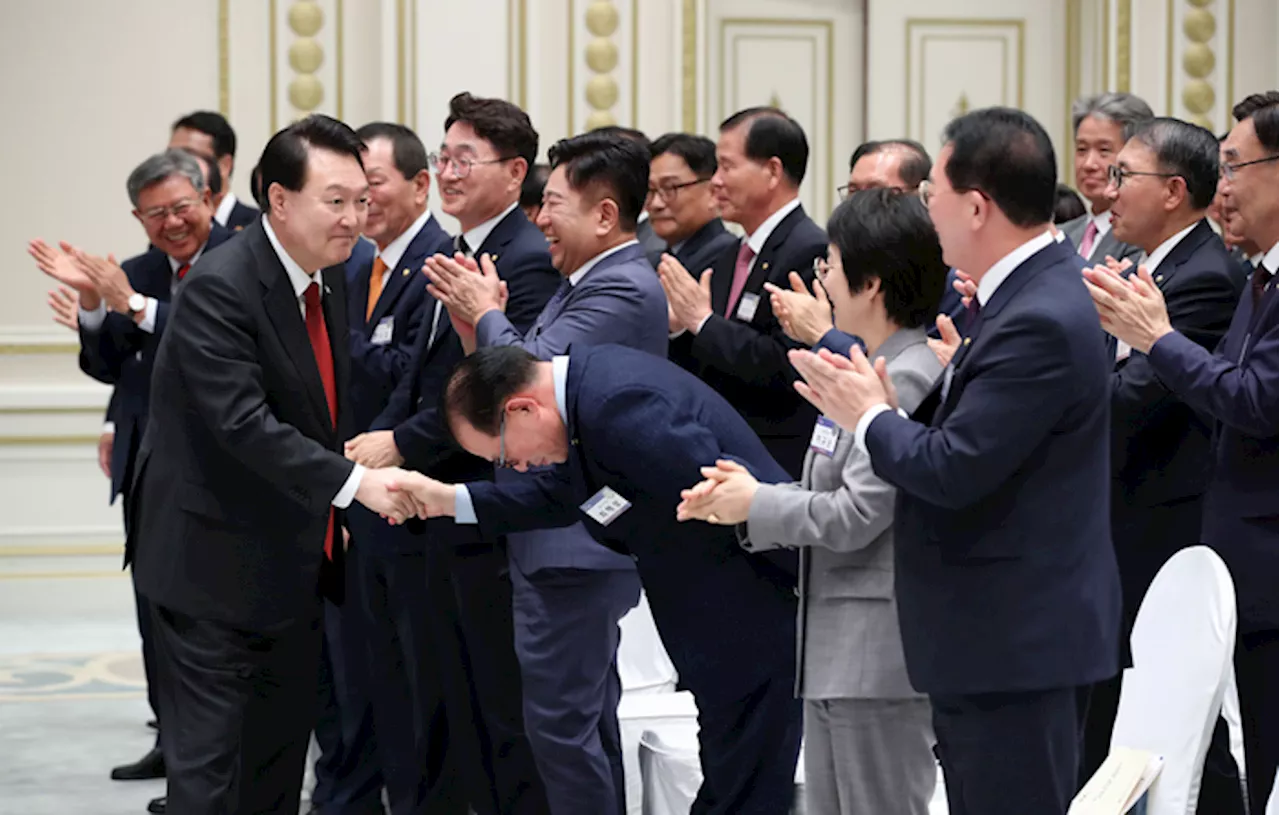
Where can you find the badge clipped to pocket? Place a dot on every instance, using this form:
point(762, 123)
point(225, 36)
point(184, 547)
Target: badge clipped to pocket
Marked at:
point(747, 307)
point(605, 506)
point(825, 434)
point(384, 331)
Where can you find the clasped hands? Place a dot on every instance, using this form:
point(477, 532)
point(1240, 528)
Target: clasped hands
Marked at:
point(95, 279)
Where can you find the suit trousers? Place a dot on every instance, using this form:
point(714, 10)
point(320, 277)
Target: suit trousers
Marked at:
point(749, 747)
point(238, 708)
point(1258, 684)
point(419, 764)
point(348, 774)
point(868, 756)
point(1008, 753)
point(483, 695)
point(566, 638)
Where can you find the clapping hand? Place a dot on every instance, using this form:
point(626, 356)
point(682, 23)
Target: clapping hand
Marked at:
point(108, 278)
point(60, 265)
point(65, 305)
point(804, 317)
point(1131, 310)
point(688, 300)
point(945, 348)
point(466, 289)
point(723, 497)
point(843, 388)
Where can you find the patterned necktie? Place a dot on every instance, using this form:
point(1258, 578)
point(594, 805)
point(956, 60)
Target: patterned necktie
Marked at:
point(182, 270)
point(1086, 242)
point(971, 313)
point(375, 286)
point(318, 333)
point(741, 271)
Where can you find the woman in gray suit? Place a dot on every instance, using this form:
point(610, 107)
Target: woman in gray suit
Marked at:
point(868, 737)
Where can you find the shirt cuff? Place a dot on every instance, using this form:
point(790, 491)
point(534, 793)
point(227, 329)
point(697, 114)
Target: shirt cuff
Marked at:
point(701, 323)
point(348, 492)
point(860, 432)
point(464, 512)
point(109, 427)
point(93, 320)
point(679, 333)
point(148, 323)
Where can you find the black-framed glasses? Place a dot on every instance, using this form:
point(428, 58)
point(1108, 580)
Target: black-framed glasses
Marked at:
point(1117, 174)
point(668, 192)
point(461, 165)
point(1228, 170)
point(845, 190)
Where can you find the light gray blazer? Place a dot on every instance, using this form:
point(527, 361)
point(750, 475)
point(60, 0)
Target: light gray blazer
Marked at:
point(1108, 244)
point(841, 517)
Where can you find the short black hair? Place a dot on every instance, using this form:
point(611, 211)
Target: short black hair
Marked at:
point(498, 122)
point(215, 126)
point(1007, 156)
point(887, 234)
point(1186, 150)
point(255, 187)
point(535, 181)
point(481, 384)
point(1067, 205)
point(698, 152)
point(915, 165)
point(626, 132)
point(772, 133)
point(609, 160)
point(407, 150)
point(213, 176)
point(1261, 107)
point(284, 159)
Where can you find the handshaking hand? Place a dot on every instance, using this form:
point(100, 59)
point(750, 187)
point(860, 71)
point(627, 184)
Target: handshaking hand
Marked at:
point(377, 493)
point(431, 498)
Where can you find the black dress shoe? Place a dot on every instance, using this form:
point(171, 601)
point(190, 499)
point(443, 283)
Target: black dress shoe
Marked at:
point(157, 804)
point(149, 766)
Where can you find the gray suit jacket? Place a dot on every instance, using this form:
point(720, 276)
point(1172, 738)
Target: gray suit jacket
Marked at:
point(841, 517)
point(620, 301)
point(1108, 244)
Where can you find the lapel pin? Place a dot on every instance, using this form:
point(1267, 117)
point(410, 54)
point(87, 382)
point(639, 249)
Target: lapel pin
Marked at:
point(1159, 278)
point(405, 273)
point(493, 258)
point(765, 266)
point(967, 340)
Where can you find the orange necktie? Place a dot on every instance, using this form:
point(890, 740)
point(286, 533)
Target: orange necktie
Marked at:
point(375, 286)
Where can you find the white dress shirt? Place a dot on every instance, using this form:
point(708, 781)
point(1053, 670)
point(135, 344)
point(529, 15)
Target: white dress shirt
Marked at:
point(223, 212)
point(987, 286)
point(1271, 260)
point(477, 235)
point(301, 280)
point(595, 261)
point(395, 250)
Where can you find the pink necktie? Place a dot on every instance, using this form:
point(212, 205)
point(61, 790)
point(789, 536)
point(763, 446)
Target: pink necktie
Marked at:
point(1090, 235)
point(741, 271)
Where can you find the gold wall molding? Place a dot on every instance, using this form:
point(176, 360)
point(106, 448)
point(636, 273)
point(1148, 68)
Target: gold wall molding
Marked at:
point(224, 58)
point(1124, 44)
point(518, 52)
point(1200, 62)
point(1074, 60)
point(273, 39)
point(689, 66)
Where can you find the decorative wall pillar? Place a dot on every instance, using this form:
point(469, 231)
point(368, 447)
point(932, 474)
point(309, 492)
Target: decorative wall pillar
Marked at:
point(306, 55)
point(601, 55)
point(1199, 97)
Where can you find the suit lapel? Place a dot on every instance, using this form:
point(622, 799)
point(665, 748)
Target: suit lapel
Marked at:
point(768, 253)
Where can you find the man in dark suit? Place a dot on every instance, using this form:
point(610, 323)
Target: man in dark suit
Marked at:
point(377, 673)
point(1101, 124)
point(233, 512)
point(653, 243)
point(1006, 581)
point(209, 132)
point(1235, 386)
point(1164, 180)
point(624, 424)
point(723, 326)
point(682, 210)
point(123, 313)
point(489, 145)
point(569, 592)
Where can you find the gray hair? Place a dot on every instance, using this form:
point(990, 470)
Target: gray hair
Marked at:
point(1125, 109)
point(161, 166)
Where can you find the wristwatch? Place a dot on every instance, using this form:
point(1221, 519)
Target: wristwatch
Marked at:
point(137, 303)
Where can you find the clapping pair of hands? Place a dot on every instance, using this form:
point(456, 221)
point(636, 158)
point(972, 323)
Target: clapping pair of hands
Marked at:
point(86, 280)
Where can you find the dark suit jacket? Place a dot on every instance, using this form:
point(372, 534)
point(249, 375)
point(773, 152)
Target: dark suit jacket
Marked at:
point(120, 353)
point(363, 252)
point(1006, 579)
point(1237, 386)
point(241, 460)
point(619, 301)
point(653, 245)
point(746, 362)
point(1107, 244)
point(643, 427)
point(705, 246)
point(242, 215)
point(519, 250)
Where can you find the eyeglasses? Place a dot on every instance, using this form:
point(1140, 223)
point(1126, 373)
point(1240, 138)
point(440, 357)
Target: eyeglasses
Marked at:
point(1228, 171)
point(461, 165)
point(926, 191)
point(161, 214)
point(668, 192)
point(821, 269)
point(849, 189)
point(1117, 174)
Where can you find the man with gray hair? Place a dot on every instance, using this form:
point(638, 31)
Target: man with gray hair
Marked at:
point(123, 311)
point(1101, 125)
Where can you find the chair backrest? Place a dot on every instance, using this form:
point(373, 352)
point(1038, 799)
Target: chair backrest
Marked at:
point(1169, 700)
point(671, 774)
point(1273, 803)
point(643, 664)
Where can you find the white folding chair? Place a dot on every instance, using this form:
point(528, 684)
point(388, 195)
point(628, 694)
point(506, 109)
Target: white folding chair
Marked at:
point(672, 718)
point(1273, 803)
point(1169, 700)
point(643, 664)
point(670, 772)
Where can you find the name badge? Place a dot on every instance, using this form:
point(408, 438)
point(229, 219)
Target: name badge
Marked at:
point(747, 307)
point(825, 434)
point(605, 506)
point(382, 334)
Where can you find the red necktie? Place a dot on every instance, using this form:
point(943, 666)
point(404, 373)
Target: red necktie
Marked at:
point(741, 271)
point(319, 336)
point(183, 269)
